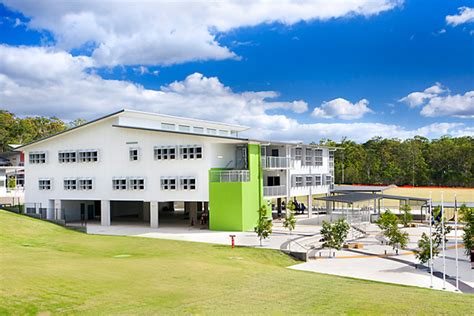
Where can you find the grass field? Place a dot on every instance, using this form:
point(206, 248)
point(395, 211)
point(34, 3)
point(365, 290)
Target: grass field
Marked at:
point(46, 268)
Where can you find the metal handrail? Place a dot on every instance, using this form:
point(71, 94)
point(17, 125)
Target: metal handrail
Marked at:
point(274, 190)
point(277, 163)
point(230, 176)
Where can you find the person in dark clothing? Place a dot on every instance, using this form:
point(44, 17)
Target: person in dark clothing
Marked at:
point(303, 208)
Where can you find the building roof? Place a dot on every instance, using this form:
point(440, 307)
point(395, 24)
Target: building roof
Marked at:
point(362, 188)
point(360, 197)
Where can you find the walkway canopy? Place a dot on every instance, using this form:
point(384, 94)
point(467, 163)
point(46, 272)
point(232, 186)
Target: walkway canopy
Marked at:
point(351, 198)
point(362, 188)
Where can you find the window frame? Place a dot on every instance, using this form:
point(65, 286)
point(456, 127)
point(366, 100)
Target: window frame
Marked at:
point(45, 184)
point(187, 183)
point(119, 186)
point(136, 183)
point(85, 186)
point(166, 185)
point(37, 157)
point(70, 184)
point(134, 152)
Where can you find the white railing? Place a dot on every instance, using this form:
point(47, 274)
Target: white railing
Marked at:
point(230, 176)
point(276, 163)
point(278, 190)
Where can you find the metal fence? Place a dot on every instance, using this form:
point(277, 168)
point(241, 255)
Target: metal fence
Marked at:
point(278, 190)
point(230, 176)
point(276, 163)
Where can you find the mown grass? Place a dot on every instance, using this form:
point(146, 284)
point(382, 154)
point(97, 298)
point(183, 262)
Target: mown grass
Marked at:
point(45, 268)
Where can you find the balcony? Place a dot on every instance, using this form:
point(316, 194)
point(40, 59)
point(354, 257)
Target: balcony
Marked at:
point(229, 175)
point(276, 163)
point(278, 190)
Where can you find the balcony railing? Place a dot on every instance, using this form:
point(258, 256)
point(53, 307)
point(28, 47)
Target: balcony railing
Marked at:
point(279, 190)
point(277, 163)
point(230, 176)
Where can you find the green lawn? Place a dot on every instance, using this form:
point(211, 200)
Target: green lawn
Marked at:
point(46, 268)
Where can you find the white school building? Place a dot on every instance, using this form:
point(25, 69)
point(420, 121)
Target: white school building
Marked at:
point(133, 166)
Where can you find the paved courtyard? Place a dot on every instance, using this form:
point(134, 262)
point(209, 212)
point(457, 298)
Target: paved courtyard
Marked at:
point(374, 262)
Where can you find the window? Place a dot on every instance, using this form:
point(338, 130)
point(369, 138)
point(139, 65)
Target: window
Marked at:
point(37, 157)
point(70, 184)
point(199, 130)
point(67, 156)
point(309, 181)
point(191, 152)
point(318, 157)
point(44, 184)
point(188, 183)
point(168, 126)
point(137, 184)
point(298, 181)
point(168, 183)
point(234, 133)
point(328, 179)
point(223, 132)
point(331, 159)
point(165, 153)
point(309, 157)
point(184, 128)
point(317, 179)
point(133, 154)
point(88, 155)
point(119, 183)
point(298, 153)
point(212, 131)
point(85, 184)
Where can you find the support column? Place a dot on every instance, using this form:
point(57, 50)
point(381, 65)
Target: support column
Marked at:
point(310, 204)
point(57, 209)
point(154, 214)
point(146, 211)
point(105, 212)
point(193, 213)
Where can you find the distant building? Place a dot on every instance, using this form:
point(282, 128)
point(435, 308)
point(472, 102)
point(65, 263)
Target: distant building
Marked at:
point(134, 166)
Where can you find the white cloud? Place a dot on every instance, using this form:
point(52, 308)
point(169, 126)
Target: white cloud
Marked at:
point(416, 99)
point(465, 15)
point(342, 109)
point(436, 101)
point(170, 32)
point(69, 91)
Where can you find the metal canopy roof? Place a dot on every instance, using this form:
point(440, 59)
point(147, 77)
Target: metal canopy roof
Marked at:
point(359, 197)
point(363, 188)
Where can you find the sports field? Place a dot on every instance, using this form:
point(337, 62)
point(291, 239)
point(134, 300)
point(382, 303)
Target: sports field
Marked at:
point(45, 269)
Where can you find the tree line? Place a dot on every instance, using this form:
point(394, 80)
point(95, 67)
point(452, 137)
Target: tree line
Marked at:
point(417, 161)
point(17, 130)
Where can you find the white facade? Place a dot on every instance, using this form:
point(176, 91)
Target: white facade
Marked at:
point(121, 158)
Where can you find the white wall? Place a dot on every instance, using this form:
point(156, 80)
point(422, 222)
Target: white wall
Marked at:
point(114, 162)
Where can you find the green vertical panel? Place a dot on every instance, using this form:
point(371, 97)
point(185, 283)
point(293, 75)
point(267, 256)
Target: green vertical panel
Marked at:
point(234, 205)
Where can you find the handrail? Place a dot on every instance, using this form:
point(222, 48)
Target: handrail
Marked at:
point(276, 162)
point(274, 190)
point(229, 176)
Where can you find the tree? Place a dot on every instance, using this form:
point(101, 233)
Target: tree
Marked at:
point(77, 122)
point(335, 234)
point(290, 220)
point(264, 224)
point(407, 217)
point(388, 223)
point(11, 183)
point(467, 216)
point(423, 251)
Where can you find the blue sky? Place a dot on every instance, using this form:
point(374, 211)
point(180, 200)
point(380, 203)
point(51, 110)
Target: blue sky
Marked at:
point(354, 65)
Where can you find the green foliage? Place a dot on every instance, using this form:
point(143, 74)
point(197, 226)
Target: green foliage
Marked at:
point(335, 234)
point(388, 223)
point(290, 220)
point(264, 224)
point(416, 161)
point(467, 216)
point(407, 217)
point(423, 251)
point(11, 183)
point(16, 130)
point(387, 220)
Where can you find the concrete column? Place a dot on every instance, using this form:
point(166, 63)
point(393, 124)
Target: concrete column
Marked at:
point(105, 212)
point(57, 209)
point(154, 214)
point(192, 206)
point(310, 204)
point(146, 211)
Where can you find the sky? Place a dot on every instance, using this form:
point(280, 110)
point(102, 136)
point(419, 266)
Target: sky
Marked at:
point(290, 70)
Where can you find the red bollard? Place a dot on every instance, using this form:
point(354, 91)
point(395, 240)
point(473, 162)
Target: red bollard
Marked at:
point(233, 241)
